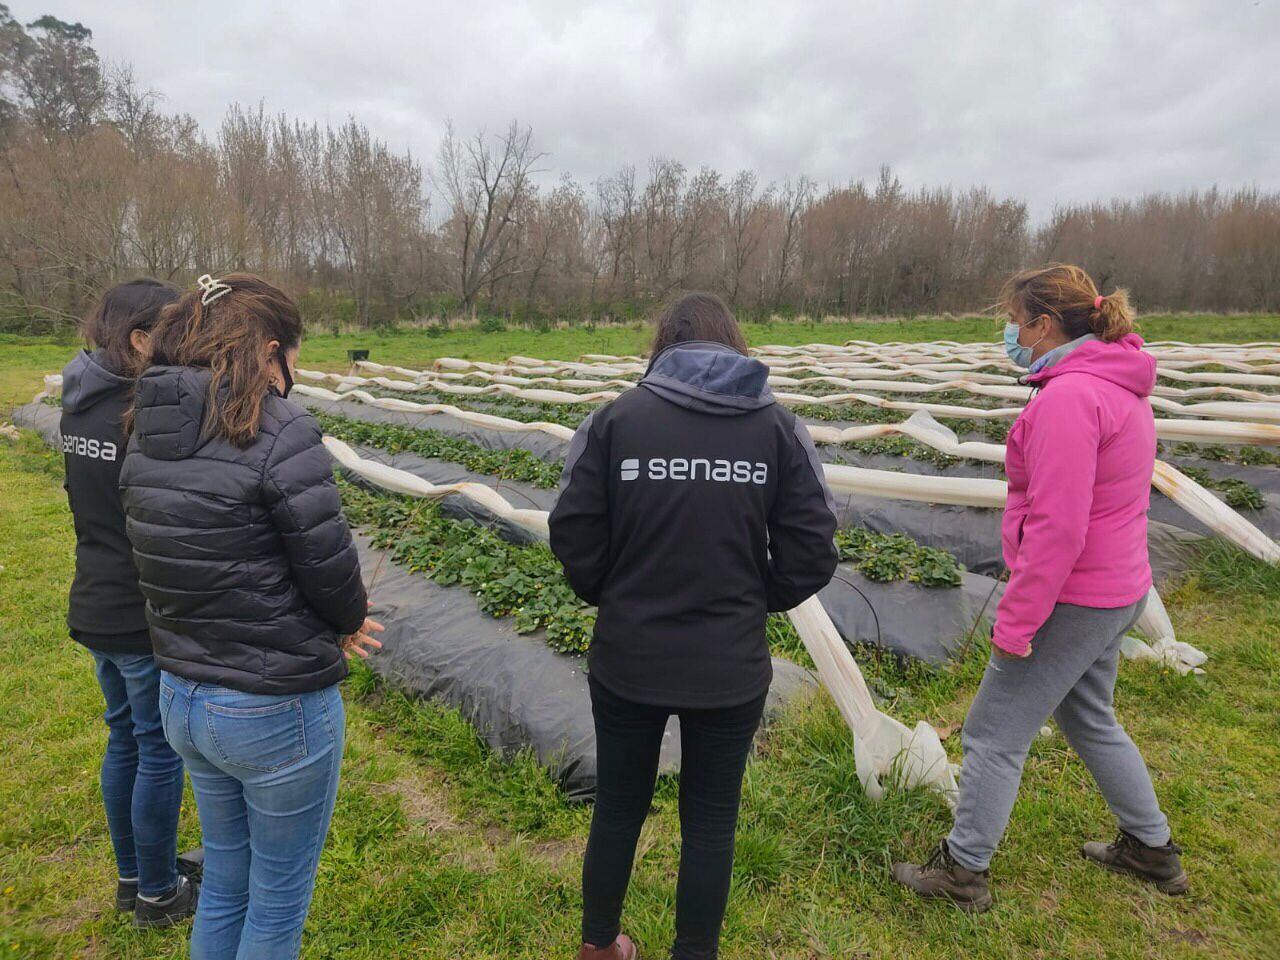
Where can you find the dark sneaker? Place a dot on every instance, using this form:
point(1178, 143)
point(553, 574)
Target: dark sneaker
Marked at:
point(621, 949)
point(191, 864)
point(1129, 855)
point(166, 912)
point(941, 878)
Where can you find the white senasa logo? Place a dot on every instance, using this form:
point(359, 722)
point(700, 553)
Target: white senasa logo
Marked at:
point(88, 447)
point(697, 468)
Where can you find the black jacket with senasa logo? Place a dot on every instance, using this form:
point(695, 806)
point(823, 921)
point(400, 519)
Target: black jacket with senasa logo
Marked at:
point(105, 610)
point(691, 507)
point(247, 564)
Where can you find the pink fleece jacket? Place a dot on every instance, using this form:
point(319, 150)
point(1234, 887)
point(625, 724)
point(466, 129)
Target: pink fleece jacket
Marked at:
point(1080, 457)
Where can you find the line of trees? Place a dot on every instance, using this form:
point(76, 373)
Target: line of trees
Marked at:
point(98, 183)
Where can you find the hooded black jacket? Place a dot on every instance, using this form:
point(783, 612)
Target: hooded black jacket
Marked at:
point(247, 564)
point(691, 507)
point(106, 611)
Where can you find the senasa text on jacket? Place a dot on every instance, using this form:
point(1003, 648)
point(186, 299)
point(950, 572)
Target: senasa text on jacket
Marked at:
point(697, 468)
point(88, 447)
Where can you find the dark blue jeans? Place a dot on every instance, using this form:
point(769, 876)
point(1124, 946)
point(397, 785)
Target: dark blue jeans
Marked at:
point(265, 773)
point(141, 775)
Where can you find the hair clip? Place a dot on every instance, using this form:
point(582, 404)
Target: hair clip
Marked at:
point(213, 289)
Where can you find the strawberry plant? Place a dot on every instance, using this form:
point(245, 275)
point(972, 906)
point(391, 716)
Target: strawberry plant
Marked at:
point(523, 582)
point(514, 464)
point(887, 557)
point(1237, 493)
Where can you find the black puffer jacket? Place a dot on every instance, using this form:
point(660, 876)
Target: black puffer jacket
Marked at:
point(246, 562)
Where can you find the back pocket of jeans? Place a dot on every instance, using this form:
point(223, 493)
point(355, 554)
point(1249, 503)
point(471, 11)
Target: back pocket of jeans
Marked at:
point(266, 738)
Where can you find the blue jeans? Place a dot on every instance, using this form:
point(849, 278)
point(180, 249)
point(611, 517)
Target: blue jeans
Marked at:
point(141, 775)
point(265, 773)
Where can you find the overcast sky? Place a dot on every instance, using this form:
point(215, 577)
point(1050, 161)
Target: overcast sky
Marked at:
point(1043, 101)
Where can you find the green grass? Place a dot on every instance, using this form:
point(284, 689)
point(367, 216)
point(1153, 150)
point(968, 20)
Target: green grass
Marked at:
point(441, 850)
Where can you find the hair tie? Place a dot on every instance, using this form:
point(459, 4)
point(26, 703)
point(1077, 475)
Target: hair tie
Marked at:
point(1097, 301)
point(213, 289)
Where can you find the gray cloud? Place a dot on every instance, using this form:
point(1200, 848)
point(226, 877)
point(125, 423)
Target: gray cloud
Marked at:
point(1058, 102)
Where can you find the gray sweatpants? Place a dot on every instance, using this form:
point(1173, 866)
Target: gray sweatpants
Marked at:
point(1070, 674)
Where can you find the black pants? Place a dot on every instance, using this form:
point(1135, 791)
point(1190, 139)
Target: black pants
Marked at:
point(714, 746)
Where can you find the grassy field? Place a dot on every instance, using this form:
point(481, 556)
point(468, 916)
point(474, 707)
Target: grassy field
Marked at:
point(439, 850)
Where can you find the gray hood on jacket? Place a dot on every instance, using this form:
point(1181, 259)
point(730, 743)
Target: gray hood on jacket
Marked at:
point(86, 380)
point(709, 378)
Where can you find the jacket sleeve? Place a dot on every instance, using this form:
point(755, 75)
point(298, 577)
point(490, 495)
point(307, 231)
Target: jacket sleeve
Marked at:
point(1060, 448)
point(580, 519)
point(307, 512)
point(802, 526)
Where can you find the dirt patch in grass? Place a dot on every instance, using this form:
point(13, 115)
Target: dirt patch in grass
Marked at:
point(559, 853)
point(422, 801)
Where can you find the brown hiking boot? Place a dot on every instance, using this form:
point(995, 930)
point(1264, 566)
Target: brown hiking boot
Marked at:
point(621, 949)
point(941, 878)
point(1129, 855)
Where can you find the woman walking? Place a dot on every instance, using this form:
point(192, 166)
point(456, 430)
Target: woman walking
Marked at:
point(253, 594)
point(141, 774)
point(1080, 458)
point(690, 508)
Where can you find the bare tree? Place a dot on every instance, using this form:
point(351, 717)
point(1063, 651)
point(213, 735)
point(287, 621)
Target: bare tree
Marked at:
point(618, 209)
point(797, 197)
point(487, 183)
point(745, 213)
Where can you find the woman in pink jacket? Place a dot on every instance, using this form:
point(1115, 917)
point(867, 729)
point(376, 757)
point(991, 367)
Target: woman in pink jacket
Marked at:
point(1079, 461)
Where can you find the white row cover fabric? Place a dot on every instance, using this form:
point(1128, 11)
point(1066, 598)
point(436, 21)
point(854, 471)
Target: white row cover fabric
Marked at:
point(875, 379)
point(1164, 648)
point(1254, 406)
point(963, 491)
point(1248, 358)
point(1204, 431)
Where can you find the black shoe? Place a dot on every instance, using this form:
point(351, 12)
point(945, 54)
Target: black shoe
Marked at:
point(191, 864)
point(166, 912)
point(126, 895)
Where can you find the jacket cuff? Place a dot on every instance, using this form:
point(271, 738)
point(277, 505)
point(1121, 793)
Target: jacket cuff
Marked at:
point(1012, 645)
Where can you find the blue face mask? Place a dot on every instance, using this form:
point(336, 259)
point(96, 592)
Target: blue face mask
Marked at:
point(1020, 355)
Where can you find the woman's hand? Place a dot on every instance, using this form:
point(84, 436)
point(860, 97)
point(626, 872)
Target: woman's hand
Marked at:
point(361, 642)
point(1002, 653)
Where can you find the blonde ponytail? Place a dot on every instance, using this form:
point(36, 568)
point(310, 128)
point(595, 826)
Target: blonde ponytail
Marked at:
point(1114, 317)
point(1068, 293)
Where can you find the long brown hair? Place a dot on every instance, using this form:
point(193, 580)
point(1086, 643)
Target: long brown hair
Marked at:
point(229, 336)
point(697, 316)
point(126, 307)
point(1068, 293)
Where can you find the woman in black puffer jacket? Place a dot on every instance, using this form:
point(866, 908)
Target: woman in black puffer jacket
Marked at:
point(253, 596)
